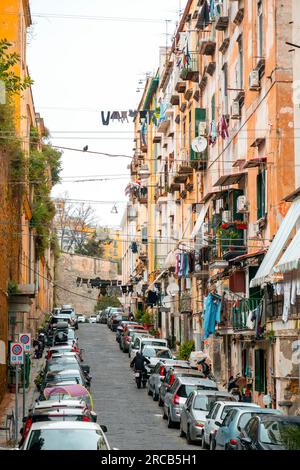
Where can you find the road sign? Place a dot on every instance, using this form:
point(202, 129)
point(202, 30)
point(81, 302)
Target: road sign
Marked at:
point(16, 354)
point(25, 340)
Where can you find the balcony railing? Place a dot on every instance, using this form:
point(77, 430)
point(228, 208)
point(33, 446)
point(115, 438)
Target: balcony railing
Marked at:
point(240, 312)
point(190, 71)
point(231, 242)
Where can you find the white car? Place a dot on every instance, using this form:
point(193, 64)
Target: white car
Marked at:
point(66, 435)
point(217, 414)
point(141, 342)
point(93, 319)
point(81, 318)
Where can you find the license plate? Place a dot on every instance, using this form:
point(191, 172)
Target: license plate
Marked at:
point(137, 374)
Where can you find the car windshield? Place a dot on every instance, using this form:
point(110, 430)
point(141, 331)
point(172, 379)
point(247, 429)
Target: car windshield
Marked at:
point(153, 343)
point(185, 390)
point(64, 378)
point(204, 402)
point(66, 439)
point(43, 418)
point(66, 312)
point(281, 433)
point(164, 353)
point(61, 365)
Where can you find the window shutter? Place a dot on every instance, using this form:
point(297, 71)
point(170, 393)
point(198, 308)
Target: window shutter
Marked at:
point(257, 384)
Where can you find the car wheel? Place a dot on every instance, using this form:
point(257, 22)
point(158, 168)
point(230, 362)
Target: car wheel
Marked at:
point(124, 350)
point(160, 402)
point(182, 433)
point(155, 396)
point(171, 423)
point(149, 391)
point(189, 440)
point(212, 444)
point(164, 414)
point(203, 444)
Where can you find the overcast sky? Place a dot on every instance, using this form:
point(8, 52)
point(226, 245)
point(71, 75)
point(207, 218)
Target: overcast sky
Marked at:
point(81, 66)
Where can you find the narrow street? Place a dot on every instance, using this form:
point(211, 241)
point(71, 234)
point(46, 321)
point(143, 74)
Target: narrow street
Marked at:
point(133, 419)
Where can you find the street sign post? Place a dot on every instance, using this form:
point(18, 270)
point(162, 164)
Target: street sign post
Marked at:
point(25, 340)
point(16, 359)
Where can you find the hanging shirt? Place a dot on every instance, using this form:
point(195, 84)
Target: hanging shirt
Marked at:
point(212, 314)
point(286, 299)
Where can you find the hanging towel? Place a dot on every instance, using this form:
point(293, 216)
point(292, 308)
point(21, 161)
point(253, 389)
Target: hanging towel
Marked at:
point(212, 314)
point(105, 120)
point(223, 128)
point(212, 137)
point(177, 264)
point(250, 323)
point(286, 300)
point(203, 18)
point(294, 290)
point(298, 283)
point(186, 268)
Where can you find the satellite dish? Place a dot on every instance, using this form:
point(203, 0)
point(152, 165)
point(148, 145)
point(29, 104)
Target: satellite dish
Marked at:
point(199, 144)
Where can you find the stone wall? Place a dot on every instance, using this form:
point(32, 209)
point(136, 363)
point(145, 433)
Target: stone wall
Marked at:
point(69, 268)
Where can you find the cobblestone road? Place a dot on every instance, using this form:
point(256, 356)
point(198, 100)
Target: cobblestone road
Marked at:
point(133, 419)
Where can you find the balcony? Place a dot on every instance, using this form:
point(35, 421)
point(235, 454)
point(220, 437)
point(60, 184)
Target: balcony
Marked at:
point(198, 161)
point(222, 23)
point(175, 100)
point(185, 303)
point(207, 47)
point(231, 241)
point(190, 71)
point(240, 312)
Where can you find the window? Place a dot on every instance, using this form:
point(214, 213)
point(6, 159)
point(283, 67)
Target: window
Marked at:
point(229, 417)
point(261, 193)
point(252, 429)
point(260, 371)
point(260, 29)
point(215, 411)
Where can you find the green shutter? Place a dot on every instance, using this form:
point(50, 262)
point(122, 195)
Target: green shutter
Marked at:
point(213, 108)
point(260, 371)
point(261, 194)
point(200, 116)
point(257, 384)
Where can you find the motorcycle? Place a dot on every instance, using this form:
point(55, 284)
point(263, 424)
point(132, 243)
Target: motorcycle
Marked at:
point(234, 388)
point(140, 378)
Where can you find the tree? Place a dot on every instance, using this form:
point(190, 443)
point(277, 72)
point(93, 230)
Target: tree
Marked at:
point(13, 83)
point(107, 301)
point(74, 224)
point(91, 247)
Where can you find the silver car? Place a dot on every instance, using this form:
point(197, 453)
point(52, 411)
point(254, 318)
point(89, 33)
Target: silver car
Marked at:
point(194, 412)
point(217, 415)
point(159, 373)
point(177, 395)
point(66, 435)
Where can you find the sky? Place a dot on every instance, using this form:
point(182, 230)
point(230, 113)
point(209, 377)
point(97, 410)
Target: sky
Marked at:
point(81, 66)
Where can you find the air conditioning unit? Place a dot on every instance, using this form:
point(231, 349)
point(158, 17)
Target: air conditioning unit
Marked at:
point(254, 81)
point(226, 217)
point(241, 204)
point(235, 110)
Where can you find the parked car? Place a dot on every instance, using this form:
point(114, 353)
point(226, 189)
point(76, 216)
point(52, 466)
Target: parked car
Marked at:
point(177, 395)
point(113, 311)
point(140, 332)
point(116, 320)
point(98, 316)
point(216, 416)
point(270, 432)
point(158, 375)
point(66, 435)
point(235, 420)
point(93, 319)
point(104, 315)
point(126, 337)
point(154, 354)
point(194, 412)
point(182, 370)
point(124, 324)
point(68, 375)
point(69, 312)
point(141, 342)
point(81, 318)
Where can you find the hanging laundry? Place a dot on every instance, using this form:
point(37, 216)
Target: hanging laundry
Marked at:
point(186, 268)
point(150, 116)
point(134, 247)
point(124, 116)
point(156, 116)
point(250, 323)
point(152, 298)
point(181, 260)
point(186, 56)
point(203, 18)
point(212, 136)
point(286, 298)
point(143, 115)
point(177, 265)
point(294, 290)
point(278, 288)
point(298, 282)
point(143, 133)
point(105, 120)
point(223, 128)
point(132, 113)
point(191, 262)
point(212, 314)
point(115, 116)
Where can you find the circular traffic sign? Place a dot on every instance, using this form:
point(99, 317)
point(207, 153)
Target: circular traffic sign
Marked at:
point(17, 349)
point(24, 339)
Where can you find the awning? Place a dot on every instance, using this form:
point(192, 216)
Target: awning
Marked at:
point(291, 257)
point(280, 240)
point(255, 162)
point(200, 220)
point(227, 180)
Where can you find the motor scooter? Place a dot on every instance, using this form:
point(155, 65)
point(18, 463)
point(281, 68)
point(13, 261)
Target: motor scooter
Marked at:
point(140, 378)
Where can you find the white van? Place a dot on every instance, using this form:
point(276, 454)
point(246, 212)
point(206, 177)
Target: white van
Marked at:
point(140, 342)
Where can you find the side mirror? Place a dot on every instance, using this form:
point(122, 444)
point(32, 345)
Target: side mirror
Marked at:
point(103, 427)
point(162, 378)
point(218, 423)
